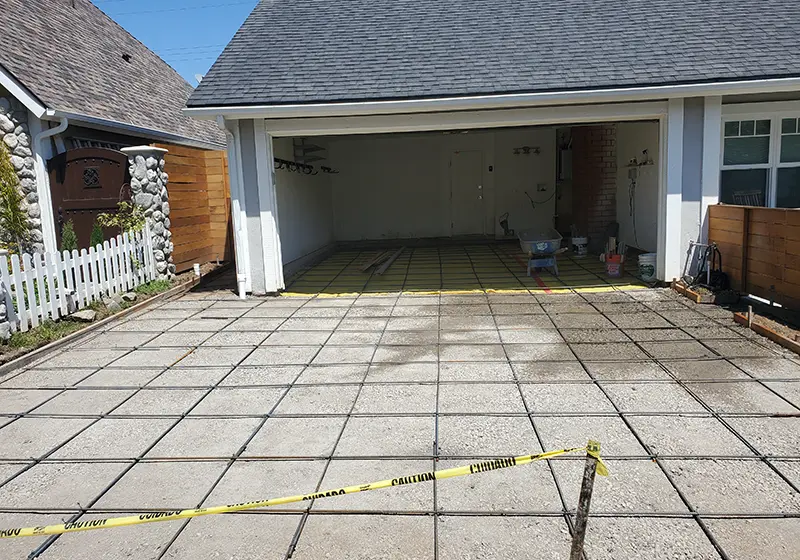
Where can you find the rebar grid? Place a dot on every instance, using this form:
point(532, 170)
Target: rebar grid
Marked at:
point(565, 512)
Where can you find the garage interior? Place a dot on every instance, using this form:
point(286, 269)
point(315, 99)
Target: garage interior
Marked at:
point(456, 201)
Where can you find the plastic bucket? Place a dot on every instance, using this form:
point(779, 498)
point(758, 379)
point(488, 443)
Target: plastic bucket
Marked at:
point(647, 267)
point(614, 266)
point(614, 270)
point(580, 246)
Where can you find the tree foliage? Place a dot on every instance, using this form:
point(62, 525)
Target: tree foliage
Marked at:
point(13, 218)
point(127, 217)
point(69, 240)
point(97, 236)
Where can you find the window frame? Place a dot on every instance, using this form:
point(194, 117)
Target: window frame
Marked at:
point(775, 117)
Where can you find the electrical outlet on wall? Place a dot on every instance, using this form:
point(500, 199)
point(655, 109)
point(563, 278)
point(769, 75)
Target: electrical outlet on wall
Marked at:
point(541, 187)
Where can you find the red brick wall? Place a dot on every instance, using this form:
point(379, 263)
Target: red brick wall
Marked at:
point(594, 179)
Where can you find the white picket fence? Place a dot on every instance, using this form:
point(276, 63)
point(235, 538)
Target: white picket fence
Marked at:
point(53, 285)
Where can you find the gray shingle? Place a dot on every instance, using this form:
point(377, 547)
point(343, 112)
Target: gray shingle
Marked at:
point(71, 59)
point(303, 51)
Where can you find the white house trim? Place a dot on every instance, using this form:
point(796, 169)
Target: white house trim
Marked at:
point(270, 235)
point(671, 192)
point(573, 114)
point(134, 130)
point(22, 94)
point(239, 170)
point(611, 95)
point(43, 182)
point(240, 248)
point(712, 148)
point(775, 112)
point(762, 109)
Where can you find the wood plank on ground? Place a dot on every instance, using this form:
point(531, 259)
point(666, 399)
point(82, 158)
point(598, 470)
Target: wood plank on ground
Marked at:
point(375, 260)
point(385, 266)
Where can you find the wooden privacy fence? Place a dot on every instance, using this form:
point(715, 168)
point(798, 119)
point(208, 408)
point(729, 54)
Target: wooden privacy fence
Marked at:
point(199, 199)
point(53, 285)
point(760, 250)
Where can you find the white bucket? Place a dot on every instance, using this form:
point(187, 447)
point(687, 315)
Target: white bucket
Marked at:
point(647, 267)
point(580, 246)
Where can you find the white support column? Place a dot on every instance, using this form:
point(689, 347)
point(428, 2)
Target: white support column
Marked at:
point(239, 217)
point(260, 209)
point(712, 156)
point(268, 199)
point(669, 226)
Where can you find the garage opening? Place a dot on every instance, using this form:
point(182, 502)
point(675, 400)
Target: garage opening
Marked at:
point(457, 201)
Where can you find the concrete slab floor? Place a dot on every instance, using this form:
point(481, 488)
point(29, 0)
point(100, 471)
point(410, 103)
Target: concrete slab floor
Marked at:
point(524, 489)
point(268, 479)
point(406, 498)
point(210, 399)
point(45, 378)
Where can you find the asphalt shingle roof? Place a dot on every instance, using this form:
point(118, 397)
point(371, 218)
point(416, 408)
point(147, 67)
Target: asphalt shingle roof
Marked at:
point(303, 51)
point(71, 59)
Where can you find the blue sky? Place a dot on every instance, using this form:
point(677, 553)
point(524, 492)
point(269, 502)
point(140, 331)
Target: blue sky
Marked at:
point(188, 34)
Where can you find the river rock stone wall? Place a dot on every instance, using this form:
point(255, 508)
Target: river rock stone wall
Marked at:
point(15, 134)
point(149, 190)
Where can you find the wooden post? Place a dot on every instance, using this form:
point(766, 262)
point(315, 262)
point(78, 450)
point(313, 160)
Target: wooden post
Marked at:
point(745, 238)
point(582, 515)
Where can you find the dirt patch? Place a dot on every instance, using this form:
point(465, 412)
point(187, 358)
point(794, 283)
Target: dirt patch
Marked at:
point(780, 328)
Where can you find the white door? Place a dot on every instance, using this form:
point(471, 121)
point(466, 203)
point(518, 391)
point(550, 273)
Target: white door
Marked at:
point(466, 193)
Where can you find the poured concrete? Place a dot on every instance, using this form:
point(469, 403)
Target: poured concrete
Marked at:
point(210, 399)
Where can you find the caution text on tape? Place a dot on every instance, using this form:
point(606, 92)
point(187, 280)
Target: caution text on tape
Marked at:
point(592, 449)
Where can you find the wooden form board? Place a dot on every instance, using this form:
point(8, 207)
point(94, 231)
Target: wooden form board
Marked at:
point(760, 250)
point(199, 198)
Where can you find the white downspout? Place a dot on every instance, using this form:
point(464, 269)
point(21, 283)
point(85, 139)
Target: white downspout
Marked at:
point(236, 212)
point(43, 185)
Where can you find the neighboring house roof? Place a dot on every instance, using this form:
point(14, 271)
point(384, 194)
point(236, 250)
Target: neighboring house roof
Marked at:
point(71, 59)
point(310, 51)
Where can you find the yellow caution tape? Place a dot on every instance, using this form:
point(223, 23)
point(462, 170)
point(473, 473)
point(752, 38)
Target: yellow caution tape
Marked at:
point(592, 449)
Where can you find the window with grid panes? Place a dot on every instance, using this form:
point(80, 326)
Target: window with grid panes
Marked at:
point(746, 162)
point(787, 181)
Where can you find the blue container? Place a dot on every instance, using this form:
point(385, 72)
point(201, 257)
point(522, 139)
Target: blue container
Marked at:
point(539, 242)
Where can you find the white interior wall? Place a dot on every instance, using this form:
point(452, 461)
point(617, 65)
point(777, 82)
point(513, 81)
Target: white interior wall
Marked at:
point(516, 174)
point(305, 214)
point(398, 186)
point(388, 187)
point(632, 139)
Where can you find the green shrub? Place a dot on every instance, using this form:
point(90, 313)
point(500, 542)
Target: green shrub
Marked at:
point(69, 241)
point(13, 218)
point(97, 236)
point(45, 333)
point(153, 287)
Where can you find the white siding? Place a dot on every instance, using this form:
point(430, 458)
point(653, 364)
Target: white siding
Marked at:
point(305, 208)
point(632, 139)
point(516, 174)
point(398, 186)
